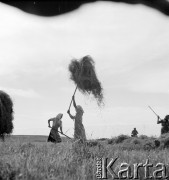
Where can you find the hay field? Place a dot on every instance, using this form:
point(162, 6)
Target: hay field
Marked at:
point(31, 157)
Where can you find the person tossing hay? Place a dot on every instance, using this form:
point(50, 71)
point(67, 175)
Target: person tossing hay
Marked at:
point(82, 73)
point(79, 131)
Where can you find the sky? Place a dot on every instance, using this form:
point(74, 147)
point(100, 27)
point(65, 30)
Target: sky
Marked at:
point(129, 45)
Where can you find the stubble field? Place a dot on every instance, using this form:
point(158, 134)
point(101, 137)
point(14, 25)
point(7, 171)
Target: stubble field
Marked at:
point(31, 157)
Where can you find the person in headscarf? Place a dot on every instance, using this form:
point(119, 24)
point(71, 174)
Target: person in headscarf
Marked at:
point(57, 123)
point(79, 131)
point(164, 123)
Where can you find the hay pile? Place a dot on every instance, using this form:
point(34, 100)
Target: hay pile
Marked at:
point(84, 76)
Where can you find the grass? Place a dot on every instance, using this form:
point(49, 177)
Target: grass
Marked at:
point(31, 157)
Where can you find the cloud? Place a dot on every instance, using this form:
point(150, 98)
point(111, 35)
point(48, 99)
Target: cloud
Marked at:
point(29, 93)
point(150, 80)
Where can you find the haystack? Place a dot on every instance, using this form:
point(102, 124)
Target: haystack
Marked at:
point(6, 114)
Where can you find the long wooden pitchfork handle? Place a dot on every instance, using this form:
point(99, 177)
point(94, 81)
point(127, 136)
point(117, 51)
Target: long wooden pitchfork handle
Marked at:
point(72, 98)
point(155, 112)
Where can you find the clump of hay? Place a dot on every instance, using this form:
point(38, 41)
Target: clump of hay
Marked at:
point(84, 76)
point(121, 138)
point(157, 143)
point(143, 137)
point(111, 141)
point(149, 144)
point(136, 141)
point(92, 143)
point(6, 114)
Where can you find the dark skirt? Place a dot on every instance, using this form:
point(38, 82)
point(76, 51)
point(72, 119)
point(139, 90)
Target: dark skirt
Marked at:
point(54, 136)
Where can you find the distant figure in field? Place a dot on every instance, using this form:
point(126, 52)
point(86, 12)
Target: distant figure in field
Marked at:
point(79, 131)
point(57, 123)
point(164, 123)
point(134, 133)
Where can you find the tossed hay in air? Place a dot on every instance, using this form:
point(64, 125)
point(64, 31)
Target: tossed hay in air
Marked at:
point(6, 114)
point(84, 76)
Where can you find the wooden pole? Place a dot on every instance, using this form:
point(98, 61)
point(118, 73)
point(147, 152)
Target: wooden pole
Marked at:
point(154, 112)
point(72, 98)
